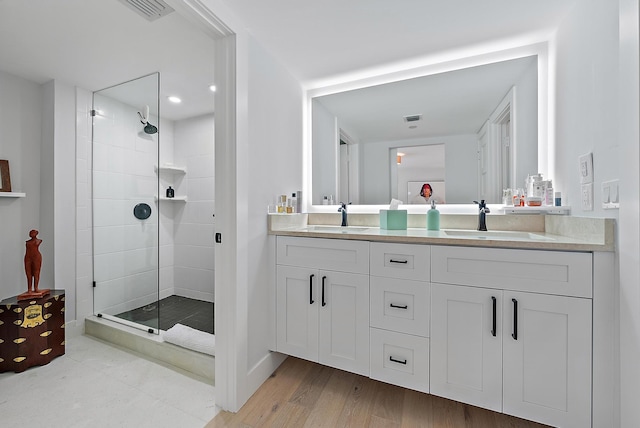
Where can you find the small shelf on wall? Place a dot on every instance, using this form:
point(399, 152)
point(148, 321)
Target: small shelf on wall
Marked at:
point(174, 199)
point(170, 169)
point(536, 210)
point(12, 195)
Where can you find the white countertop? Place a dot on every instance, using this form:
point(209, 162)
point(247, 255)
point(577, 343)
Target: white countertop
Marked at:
point(595, 238)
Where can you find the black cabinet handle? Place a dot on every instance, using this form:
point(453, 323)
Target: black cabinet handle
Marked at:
point(515, 319)
point(404, 262)
point(397, 361)
point(493, 330)
point(311, 289)
point(323, 301)
point(399, 306)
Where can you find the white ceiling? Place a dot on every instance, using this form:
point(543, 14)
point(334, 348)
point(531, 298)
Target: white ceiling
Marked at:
point(99, 43)
point(318, 39)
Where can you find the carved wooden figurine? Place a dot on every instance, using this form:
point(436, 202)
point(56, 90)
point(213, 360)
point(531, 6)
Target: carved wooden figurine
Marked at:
point(32, 265)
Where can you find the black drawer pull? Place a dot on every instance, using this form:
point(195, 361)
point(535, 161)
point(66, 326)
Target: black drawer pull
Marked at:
point(493, 330)
point(398, 306)
point(311, 289)
point(397, 361)
point(324, 303)
point(404, 262)
point(515, 319)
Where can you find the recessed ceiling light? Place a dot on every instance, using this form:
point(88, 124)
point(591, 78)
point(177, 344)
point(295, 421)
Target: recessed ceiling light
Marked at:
point(212, 88)
point(174, 99)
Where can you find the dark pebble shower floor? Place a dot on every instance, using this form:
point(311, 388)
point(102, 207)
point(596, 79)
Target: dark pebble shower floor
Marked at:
point(174, 310)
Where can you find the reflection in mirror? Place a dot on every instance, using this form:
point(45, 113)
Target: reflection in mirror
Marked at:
point(483, 119)
point(417, 174)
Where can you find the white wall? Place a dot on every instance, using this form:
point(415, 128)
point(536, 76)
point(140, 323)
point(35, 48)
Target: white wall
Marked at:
point(629, 224)
point(21, 112)
point(274, 166)
point(194, 222)
point(587, 119)
point(586, 73)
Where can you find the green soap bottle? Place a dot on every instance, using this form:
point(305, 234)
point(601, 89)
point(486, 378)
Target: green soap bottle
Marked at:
point(433, 217)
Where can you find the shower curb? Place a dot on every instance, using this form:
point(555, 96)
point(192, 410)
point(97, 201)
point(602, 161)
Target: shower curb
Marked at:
point(151, 346)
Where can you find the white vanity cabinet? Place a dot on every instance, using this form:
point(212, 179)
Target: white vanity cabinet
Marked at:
point(400, 314)
point(511, 330)
point(322, 301)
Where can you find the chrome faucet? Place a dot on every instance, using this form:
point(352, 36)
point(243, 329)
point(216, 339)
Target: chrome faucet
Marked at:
point(343, 210)
point(482, 215)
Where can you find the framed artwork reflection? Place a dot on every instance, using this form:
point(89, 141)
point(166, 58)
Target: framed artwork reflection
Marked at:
point(5, 177)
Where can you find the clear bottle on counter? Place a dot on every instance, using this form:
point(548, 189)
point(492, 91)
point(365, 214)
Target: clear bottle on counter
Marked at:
point(325, 200)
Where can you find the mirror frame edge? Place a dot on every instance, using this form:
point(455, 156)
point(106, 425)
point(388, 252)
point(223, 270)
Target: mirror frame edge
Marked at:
point(429, 66)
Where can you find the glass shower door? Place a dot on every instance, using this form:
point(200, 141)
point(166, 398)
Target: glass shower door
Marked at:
point(125, 208)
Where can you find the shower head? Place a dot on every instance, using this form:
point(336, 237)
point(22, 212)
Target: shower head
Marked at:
point(150, 129)
point(144, 119)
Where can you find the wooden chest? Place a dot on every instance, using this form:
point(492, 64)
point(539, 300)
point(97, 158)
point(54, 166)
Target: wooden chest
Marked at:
point(31, 331)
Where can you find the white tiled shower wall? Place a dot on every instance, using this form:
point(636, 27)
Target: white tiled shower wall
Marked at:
point(125, 247)
point(194, 221)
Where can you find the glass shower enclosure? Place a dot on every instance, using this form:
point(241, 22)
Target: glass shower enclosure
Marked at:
point(126, 206)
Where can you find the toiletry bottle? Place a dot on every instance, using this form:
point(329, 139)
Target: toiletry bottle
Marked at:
point(282, 202)
point(325, 201)
point(558, 199)
point(299, 201)
point(294, 203)
point(433, 217)
point(289, 208)
point(548, 199)
point(170, 192)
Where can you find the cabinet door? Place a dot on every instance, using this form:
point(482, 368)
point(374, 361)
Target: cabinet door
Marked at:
point(297, 312)
point(466, 345)
point(547, 358)
point(344, 321)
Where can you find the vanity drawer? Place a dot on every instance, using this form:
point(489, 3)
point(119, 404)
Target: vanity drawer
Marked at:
point(405, 261)
point(548, 272)
point(329, 254)
point(400, 359)
point(400, 305)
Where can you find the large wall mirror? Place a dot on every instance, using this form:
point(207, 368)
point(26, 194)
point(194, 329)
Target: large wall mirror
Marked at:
point(469, 132)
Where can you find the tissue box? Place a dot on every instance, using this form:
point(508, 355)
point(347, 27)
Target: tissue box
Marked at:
point(393, 219)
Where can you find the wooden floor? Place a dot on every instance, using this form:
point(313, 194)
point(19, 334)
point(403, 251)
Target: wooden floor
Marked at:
point(304, 394)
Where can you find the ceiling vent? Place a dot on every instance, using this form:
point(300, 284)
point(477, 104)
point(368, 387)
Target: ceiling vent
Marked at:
point(412, 118)
point(148, 9)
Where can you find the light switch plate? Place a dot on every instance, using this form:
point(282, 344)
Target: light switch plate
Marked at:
point(586, 168)
point(610, 195)
point(587, 197)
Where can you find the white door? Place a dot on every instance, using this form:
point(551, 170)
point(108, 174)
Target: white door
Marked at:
point(344, 321)
point(547, 358)
point(297, 312)
point(466, 345)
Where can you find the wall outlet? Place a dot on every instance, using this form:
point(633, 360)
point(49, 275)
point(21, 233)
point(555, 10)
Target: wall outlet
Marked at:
point(586, 168)
point(587, 197)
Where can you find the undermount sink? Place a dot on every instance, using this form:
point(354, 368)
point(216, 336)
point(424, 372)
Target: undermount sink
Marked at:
point(497, 234)
point(336, 229)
